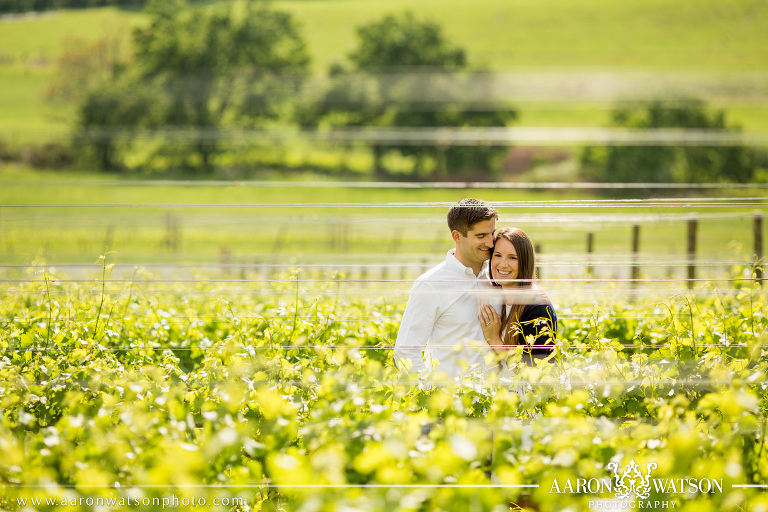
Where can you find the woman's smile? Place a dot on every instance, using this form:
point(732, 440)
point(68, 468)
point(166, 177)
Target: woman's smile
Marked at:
point(504, 262)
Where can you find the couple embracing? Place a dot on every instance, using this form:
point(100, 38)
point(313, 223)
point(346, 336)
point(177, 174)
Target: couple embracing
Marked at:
point(469, 313)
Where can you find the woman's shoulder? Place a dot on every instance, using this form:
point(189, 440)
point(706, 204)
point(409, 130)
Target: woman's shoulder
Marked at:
point(539, 296)
point(542, 309)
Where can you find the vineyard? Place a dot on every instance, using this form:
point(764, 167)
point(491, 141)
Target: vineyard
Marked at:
point(284, 397)
point(162, 378)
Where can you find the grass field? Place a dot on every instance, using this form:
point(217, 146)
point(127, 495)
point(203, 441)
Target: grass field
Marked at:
point(245, 229)
point(657, 35)
point(721, 38)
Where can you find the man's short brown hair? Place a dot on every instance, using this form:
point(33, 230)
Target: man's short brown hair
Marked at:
point(468, 212)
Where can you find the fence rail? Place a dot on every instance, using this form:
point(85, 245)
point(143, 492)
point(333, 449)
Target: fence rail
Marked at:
point(680, 238)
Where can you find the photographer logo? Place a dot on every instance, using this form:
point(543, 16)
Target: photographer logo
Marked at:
point(633, 487)
point(632, 481)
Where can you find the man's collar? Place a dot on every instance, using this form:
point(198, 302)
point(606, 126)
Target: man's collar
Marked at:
point(454, 264)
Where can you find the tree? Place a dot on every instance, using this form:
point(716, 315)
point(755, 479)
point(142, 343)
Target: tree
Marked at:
point(42, 5)
point(86, 74)
point(669, 163)
point(213, 67)
point(111, 116)
point(404, 73)
point(84, 66)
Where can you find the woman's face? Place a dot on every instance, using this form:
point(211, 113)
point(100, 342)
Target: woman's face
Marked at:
point(504, 264)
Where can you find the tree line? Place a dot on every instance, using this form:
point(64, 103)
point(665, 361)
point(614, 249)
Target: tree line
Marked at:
point(19, 6)
point(200, 76)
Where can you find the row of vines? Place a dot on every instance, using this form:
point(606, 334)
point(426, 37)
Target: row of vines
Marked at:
point(274, 397)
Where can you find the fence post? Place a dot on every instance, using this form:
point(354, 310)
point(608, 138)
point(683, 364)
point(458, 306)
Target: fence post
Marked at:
point(172, 232)
point(5, 230)
point(277, 245)
point(109, 237)
point(692, 227)
point(331, 236)
point(537, 271)
point(438, 243)
point(758, 226)
point(590, 249)
point(257, 270)
point(395, 241)
point(226, 260)
point(635, 273)
point(338, 236)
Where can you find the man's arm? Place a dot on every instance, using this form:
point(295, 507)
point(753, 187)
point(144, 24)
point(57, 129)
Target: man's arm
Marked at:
point(416, 328)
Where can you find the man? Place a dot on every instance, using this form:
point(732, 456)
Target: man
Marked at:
point(442, 311)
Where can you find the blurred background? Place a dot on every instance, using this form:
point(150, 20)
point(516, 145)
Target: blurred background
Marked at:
point(247, 138)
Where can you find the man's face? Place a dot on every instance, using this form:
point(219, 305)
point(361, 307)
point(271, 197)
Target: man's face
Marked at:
point(475, 248)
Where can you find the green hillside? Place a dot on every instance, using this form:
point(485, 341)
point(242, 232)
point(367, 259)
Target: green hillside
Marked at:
point(706, 35)
point(599, 37)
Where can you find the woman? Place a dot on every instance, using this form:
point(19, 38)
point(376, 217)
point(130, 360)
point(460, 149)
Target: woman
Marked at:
point(527, 316)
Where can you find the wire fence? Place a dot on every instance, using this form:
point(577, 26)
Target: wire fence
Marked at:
point(634, 245)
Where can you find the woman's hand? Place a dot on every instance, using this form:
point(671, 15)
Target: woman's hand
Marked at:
point(490, 321)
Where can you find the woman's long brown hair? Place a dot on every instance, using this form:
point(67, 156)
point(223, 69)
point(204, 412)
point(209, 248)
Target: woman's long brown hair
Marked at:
point(526, 269)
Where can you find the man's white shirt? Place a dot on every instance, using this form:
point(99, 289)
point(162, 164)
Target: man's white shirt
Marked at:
point(441, 317)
